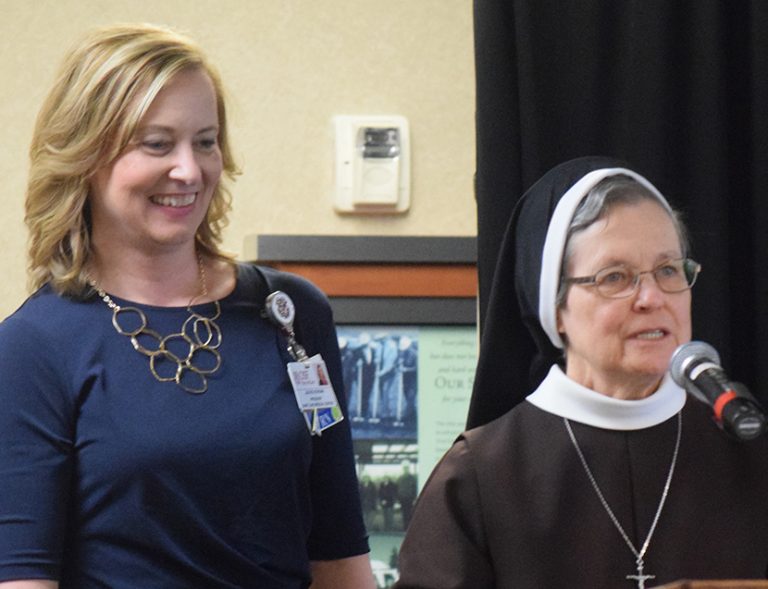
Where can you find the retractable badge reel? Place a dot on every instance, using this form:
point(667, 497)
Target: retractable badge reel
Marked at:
point(309, 375)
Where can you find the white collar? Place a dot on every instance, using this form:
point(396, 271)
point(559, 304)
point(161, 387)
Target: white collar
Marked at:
point(562, 396)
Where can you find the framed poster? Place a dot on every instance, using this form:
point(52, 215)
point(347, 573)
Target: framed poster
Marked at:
point(405, 311)
point(408, 390)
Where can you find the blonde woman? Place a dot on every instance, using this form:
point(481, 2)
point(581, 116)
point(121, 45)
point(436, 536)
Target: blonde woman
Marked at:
point(149, 435)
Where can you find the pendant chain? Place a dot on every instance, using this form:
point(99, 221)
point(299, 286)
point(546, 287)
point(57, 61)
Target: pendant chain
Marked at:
point(639, 554)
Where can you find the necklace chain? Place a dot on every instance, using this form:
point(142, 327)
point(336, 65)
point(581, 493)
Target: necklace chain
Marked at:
point(187, 357)
point(639, 554)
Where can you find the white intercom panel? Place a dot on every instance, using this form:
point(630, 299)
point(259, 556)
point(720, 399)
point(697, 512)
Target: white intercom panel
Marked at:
point(372, 164)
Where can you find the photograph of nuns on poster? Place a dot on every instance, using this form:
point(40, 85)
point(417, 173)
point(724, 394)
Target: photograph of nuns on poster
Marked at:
point(408, 391)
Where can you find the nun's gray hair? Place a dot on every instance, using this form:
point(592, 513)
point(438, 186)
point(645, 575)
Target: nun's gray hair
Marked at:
point(607, 193)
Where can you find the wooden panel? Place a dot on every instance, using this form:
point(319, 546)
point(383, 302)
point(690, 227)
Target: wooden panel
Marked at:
point(388, 280)
point(734, 584)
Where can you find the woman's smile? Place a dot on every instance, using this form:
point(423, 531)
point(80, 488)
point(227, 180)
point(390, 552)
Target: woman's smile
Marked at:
point(174, 200)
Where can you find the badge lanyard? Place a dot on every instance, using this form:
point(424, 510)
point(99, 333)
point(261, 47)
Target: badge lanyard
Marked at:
point(309, 375)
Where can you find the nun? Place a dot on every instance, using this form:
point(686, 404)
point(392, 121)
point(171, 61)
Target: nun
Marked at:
point(584, 464)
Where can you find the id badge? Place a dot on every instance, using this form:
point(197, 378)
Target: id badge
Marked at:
point(314, 394)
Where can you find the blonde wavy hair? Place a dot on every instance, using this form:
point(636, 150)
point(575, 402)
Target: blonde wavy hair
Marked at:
point(104, 87)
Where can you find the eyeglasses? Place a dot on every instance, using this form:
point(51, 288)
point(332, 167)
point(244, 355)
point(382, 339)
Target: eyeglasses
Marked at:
point(618, 281)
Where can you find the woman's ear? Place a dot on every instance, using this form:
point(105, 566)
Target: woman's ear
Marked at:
point(560, 328)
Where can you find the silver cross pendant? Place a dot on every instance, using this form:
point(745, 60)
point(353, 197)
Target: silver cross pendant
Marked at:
point(640, 577)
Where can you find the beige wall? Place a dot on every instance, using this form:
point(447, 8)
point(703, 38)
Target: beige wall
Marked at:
point(289, 66)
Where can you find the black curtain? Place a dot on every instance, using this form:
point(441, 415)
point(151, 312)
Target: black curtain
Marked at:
point(679, 89)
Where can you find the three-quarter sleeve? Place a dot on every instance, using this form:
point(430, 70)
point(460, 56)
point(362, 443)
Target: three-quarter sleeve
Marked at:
point(337, 528)
point(35, 454)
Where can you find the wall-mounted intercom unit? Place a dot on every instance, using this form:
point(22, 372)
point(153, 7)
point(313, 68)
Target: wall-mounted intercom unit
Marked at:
point(372, 164)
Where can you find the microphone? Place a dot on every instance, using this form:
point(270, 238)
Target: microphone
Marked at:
point(695, 366)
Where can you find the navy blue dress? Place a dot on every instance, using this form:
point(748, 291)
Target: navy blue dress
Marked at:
point(113, 479)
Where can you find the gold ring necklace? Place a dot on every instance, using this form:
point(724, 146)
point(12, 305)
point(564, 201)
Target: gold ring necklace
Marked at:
point(187, 357)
